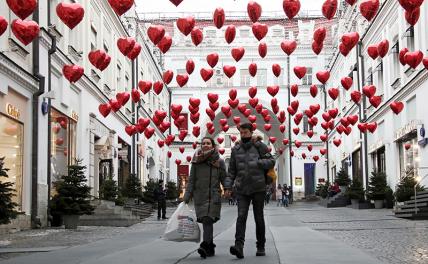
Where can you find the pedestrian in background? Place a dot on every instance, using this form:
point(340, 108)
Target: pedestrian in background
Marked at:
point(160, 197)
point(279, 195)
point(208, 171)
point(285, 195)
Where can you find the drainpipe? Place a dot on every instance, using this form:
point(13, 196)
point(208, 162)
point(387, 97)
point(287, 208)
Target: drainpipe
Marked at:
point(133, 153)
point(289, 126)
point(362, 112)
point(326, 131)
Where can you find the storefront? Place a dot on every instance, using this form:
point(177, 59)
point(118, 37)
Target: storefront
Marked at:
point(406, 139)
point(63, 145)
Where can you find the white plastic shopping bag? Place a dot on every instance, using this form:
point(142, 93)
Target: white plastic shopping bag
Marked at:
point(182, 226)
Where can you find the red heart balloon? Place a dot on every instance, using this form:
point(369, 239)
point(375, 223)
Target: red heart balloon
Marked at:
point(343, 49)
point(181, 149)
point(167, 76)
point(295, 105)
point(333, 112)
point(252, 91)
point(145, 86)
point(134, 52)
point(268, 127)
point(210, 113)
point(356, 97)
point(197, 36)
point(190, 66)
point(346, 82)
point(351, 2)
point(252, 69)
point(195, 102)
point(125, 45)
point(372, 127)
point(383, 48)
point(161, 143)
point(276, 69)
point(182, 79)
point(329, 9)
point(315, 108)
point(285, 141)
point(323, 76)
point(369, 8)
point(70, 13)
point(253, 102)
point(158, 87)
point(372, 50)
point(410, 5)
point(323, 151)
point(323, 137)
point(237, 120)
point(313, 121)
point(273, 90)
point(182, 135)
point(326, 116)
point(260, 30)
point(22, 9)
point(412, 17)
point(375, 101)
point(206, 74)
point(274, 102)
point(186, 24)
point(233, 103)
point(73, 73)
point(262, 49)
point(252, 118)
point(282, 128)
point(403, 52)
point(288, 46)
point(362, 127)
point(176, 2)
point(165, 43)
point(352, 119)
point(310, 133)
point(219, 17)
point(291, 8)
point(3, 25)
point(104, 109)
point(425, 62)
point(123, 97)
point(310, 147)
point(334, 93)
point(212, 59)
point(350, 40)
point(337, 142)
point(254, 11)
point(313, 90)
point(221, 151)
point(272, 140)
point(397, 107)
point(130, 130)
point(229, 70)
point(230, 34)
point(294, 90)
point(320, 34)
point(121, 6)
point(233, 93)
point(177, 161)
point(344, 121)
point(300, 71)
point(297, 143)
point(369, 90)
point(238, 53)
point(115, 105)
point(25, 31)
point(308, 113)
point(317, 47)
point(413, 59)
point(156, 33)
point(212, 97)
point(315, 158)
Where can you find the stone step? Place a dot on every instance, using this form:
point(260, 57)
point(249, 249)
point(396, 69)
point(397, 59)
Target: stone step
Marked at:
point(408, 210)
point(422, 193)
point(417, 201)
point(109, 222)
point(419, 196)
point(110, 216)
point(418, 205)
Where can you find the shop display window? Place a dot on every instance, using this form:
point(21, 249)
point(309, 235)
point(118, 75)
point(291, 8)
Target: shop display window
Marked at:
point(409, 155)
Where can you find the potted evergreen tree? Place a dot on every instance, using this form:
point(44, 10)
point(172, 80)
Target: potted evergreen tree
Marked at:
point(377, 188)
point(7, 206)
point(406, 186)
point(342, 178)
point(73, 196)
point(133, 188)
point(171, 190)
point(109, 190)
point(149, 189)
point(322, 190)
point(355, 192)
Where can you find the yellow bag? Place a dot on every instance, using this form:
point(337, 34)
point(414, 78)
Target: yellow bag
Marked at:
point(271, 176)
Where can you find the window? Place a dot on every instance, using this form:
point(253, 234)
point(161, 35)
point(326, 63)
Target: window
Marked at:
point(307, 80)
point(245, 78)
point(94, 39)
point(395, 66)
point(11, 148)
point(409, 154)
point(378, 158)
point(410, 38)
point(378, 79)
point(306, 125)
point(356, 166)
point(262, 77)
point(211, 33)
point(369, 79)
point(278, 32)
point(244, 33)
point(126, 83)
point(185, 124)
point(227, 82)
point(411, 109)
point(119, 76)
point(227, 141)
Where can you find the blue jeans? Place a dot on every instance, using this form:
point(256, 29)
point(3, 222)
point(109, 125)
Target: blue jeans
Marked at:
point(285, 200)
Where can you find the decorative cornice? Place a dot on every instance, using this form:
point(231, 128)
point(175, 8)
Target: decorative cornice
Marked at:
point(14, 72)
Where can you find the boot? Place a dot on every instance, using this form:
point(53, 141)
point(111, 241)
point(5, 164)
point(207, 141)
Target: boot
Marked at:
point(260, 252)
point(211, 250)
point(203, 249)
point(237, 250)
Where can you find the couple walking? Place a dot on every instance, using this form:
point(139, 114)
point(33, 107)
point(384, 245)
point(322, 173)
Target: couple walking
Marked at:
point(250, 158)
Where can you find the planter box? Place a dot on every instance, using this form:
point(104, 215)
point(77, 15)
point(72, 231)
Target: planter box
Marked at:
point(378, 204)
point(71, 221)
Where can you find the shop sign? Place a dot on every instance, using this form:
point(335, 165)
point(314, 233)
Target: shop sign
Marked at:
point(422, 141)
point(409, 128)
point(74, 116)
point(13, 111)
point(123, 153)
point(298, 181)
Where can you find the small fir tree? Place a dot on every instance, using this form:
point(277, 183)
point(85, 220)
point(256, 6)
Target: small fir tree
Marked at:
point(133, 187)
point(322, 189)
point(171, 190)
point(7, 206)
point(73, 194)
point(377, 186)
point(342, 178)
point(356, 190)
point(109, 190)
point(149, 189)
point(405, 188)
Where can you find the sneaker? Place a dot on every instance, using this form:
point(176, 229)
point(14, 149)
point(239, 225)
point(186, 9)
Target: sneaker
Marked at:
point(237, 250)
point(260, 252)
point(203, 250)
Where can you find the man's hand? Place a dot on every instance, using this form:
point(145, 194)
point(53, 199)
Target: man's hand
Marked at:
point(227, 194)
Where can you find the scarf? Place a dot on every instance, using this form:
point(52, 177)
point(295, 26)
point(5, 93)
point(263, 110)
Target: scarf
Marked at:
point(211, 156)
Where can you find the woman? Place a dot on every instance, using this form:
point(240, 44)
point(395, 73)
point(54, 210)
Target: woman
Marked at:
point(279, 195)
point(207, 172)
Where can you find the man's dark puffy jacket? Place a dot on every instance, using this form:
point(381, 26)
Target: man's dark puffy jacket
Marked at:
point(247, 166)
point(160, 193)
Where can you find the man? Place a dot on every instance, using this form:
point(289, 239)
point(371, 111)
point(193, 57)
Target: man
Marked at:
point(160, 196)
point(249, 160)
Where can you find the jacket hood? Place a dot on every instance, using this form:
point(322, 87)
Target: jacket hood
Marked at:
point(254, 139)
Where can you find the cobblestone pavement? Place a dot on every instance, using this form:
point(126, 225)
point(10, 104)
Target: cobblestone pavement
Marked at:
point(59, 237)
point(390, 239)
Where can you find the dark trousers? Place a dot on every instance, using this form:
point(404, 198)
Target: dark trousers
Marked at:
point(162, 206)
point(208, 225)
point(258, 200)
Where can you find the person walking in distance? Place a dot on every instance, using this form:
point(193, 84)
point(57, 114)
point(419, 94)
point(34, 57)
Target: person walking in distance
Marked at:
point(249, 160)
point(279, 195)
point(208, 171)
point(160, 196)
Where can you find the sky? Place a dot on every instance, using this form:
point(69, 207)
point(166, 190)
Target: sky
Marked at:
point(210, 5)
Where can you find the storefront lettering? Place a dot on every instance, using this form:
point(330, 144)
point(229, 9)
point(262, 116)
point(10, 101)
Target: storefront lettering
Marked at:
point(410, 127)
point(13, 111)
point(74, 116)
